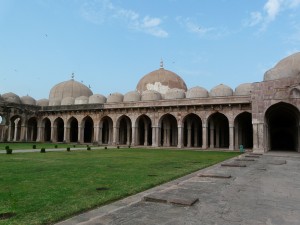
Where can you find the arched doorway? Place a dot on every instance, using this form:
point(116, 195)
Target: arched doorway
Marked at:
point(282, 121)
point(192, 131)
point(59, 130)
point(218, 131)
point(106, 130)
point(32, 129)
point(124, 130)
point(88, 125)
point(169, 131)
point(243, 130)
point(144, 131)
point(73, 130)
point(46, 123)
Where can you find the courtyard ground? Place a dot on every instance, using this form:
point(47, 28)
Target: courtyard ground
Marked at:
point(247, 190)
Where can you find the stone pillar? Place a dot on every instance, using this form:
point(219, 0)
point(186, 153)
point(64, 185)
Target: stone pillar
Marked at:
point(116, 136)
point(134, 134)
point(204, 136)
point(67, 134)
point(217, 144)
point(100, 130)
point(231, 137)
point(180, 137)
point(23, 136)
point(189, 134)
point(39, 134)
point(168, 137)
point(258, 135)
point(128, 135)
point(80, 134)
point(96, 134)
point(196, 138)
point(9, 138)
point(155, 138)
point(53, 134)
point(16, 131)
point(237, 136)
point(212, 141)
point(146, 135)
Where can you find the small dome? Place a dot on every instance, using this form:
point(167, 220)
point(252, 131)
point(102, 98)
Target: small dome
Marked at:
point(68, 101)
point(11, 97)
point(55, 102)
point(132, 96)
point(197, 92)
point(27, 100)
point(42, 102)
point(221, 91)
point(115, 98)
point(160, 80)
point(97, 99)
point(175, 94)
point(81, 100)
point(151, 96)
point(287, 67)
point(243, 89)
point(70, 88)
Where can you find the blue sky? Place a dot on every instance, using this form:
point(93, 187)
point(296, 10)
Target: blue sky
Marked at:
point(111, 44)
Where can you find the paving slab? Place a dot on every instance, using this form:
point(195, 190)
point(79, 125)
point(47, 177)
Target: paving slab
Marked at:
point(261, 193)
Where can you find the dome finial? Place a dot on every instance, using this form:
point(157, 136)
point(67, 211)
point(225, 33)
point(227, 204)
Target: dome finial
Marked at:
point(73, 76)
point(161, 63)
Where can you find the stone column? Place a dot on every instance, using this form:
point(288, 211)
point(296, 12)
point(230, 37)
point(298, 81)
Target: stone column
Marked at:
point(217, 144)
point(100, 130)
point(168, 137)
point(53, 134)
point(116, 136)
point(237, 136)
point(231, 137)
point(204, 136)
point(155, 138)
point(212, 142)
point(23, 136)
point(80, 134)
point(189, 134)
point(180, 138)
point(128, 135)
point(134, 134)
point(9, 138)
point(146, 135)
point(96, 134)
point(67, 134)
point(16, 131)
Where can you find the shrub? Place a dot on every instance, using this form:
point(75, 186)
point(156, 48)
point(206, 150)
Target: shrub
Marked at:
point(118, 147)
point(43, 150)
point(105, 147)
point(55, 146)
point(6, 147)
point(88, 148)
point(34, 146)
point(129, 146)
point(74, 146)
point(8, 151)
point(68, 149)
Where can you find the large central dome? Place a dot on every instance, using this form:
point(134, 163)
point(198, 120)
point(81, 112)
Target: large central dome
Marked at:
point(161, 80)
point(68, 89)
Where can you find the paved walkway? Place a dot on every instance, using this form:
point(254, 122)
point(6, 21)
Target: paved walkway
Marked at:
point(250, 189)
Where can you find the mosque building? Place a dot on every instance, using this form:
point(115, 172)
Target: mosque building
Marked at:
point(163, 112)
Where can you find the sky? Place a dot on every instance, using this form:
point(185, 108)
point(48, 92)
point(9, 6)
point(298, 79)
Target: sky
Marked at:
point(110, 45)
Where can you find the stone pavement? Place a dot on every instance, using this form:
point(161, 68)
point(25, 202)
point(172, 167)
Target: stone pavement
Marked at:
point(264, 191)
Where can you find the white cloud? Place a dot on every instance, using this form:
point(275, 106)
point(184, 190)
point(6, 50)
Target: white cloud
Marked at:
point(270, 11)
point(98, 11)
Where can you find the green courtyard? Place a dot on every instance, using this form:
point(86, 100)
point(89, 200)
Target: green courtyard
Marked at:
point(43, 188)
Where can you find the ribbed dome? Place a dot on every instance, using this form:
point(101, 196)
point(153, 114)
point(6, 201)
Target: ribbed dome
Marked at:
point(115, 98)
point(11, 97)
point(197, 92)
point(175, 94)
point(221, 91)
point(68, 101)
point(81, 100)
point(42, 102)
point(132, 96)
point(27, 100)
point(243, 89)
point(287, 67)
point(161, 80)
point(151, 96)
point(97, 99)
point(70, 88)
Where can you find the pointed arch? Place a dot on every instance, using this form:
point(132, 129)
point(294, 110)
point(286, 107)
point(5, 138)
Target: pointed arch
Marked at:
point(282, 122)
point(218, 131)
point(125, 129)
point(32, 129)
point(106, 130)
point(88, 129)
point(243, 130)
point(144, 130)
point(168, 130)
point(192, 130)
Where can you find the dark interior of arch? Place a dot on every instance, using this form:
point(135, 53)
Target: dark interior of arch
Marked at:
point(245, 131)
point(283, 129)
point(60, 130)
point(74, 131)
point(88, 130)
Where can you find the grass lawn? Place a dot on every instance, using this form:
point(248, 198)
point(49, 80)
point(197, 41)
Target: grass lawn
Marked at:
point(21, 145)
point(45, 188)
